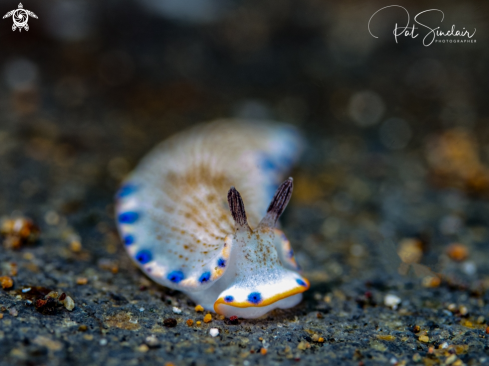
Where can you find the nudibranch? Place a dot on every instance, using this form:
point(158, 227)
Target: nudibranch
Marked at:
point(173, 215)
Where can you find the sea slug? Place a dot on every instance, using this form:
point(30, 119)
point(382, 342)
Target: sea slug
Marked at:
point(182, 218)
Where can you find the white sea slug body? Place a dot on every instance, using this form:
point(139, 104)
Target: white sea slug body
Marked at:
point(173, 214)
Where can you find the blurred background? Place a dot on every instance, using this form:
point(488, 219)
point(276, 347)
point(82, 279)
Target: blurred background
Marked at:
point(390, 206)
point(398, 132)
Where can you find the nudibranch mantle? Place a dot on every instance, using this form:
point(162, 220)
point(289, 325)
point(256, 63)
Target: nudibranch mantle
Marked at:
point(173, 215)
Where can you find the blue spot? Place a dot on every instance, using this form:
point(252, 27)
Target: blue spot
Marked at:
point(300, 282)
point(221, 262)
point(229, 298)
point(128, 217)
point(268, 164)
point(290, 254)
point(126, 190)
point(254, 298)
point(175, 276)
point(129, 239)
point(144, 256)
point(205, 277)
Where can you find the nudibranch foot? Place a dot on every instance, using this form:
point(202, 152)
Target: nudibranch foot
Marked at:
point(257, 312)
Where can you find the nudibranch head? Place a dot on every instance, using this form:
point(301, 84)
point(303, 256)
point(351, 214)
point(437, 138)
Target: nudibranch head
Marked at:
point(262, 281)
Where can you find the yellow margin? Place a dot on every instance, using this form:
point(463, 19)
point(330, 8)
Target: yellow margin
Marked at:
point(266, 302)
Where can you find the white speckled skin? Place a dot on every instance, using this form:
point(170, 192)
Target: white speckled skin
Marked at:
point(174, 218)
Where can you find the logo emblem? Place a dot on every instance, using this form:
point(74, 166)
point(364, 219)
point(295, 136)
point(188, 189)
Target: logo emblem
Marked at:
point(20, 17)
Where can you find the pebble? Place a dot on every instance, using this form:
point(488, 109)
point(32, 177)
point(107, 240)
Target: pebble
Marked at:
point(233, 320)
point(68, 303)
point(451, 360)
point(469, 268)
point(386, 337)
point(13, 312)
point(81, 281)
point(431, 281)
point(108, 265)
point(199, 308)
point(143, 348)
point(467, 323)
point(410, 250)
point(103, 342)
point(46, 305)
point(52, 294)
point(75, 246)
point(170, 322)
point(152, 341)
point(190, 322)
point(447, 313)
point(457, 252)
point(6, 282)
point(24, 290)
point(263, 351)
point(177, 310)
point(51, 218)
point(18, 231)
point(463, 310)
point(208, 318)
point(417, 357)
point(392, 301)
point(424, 339)
point(214, 332)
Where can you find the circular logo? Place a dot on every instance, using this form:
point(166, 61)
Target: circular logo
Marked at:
point(20, 18)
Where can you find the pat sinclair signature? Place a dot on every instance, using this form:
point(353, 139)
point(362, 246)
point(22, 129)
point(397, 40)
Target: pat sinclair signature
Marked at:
point(411, 30)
